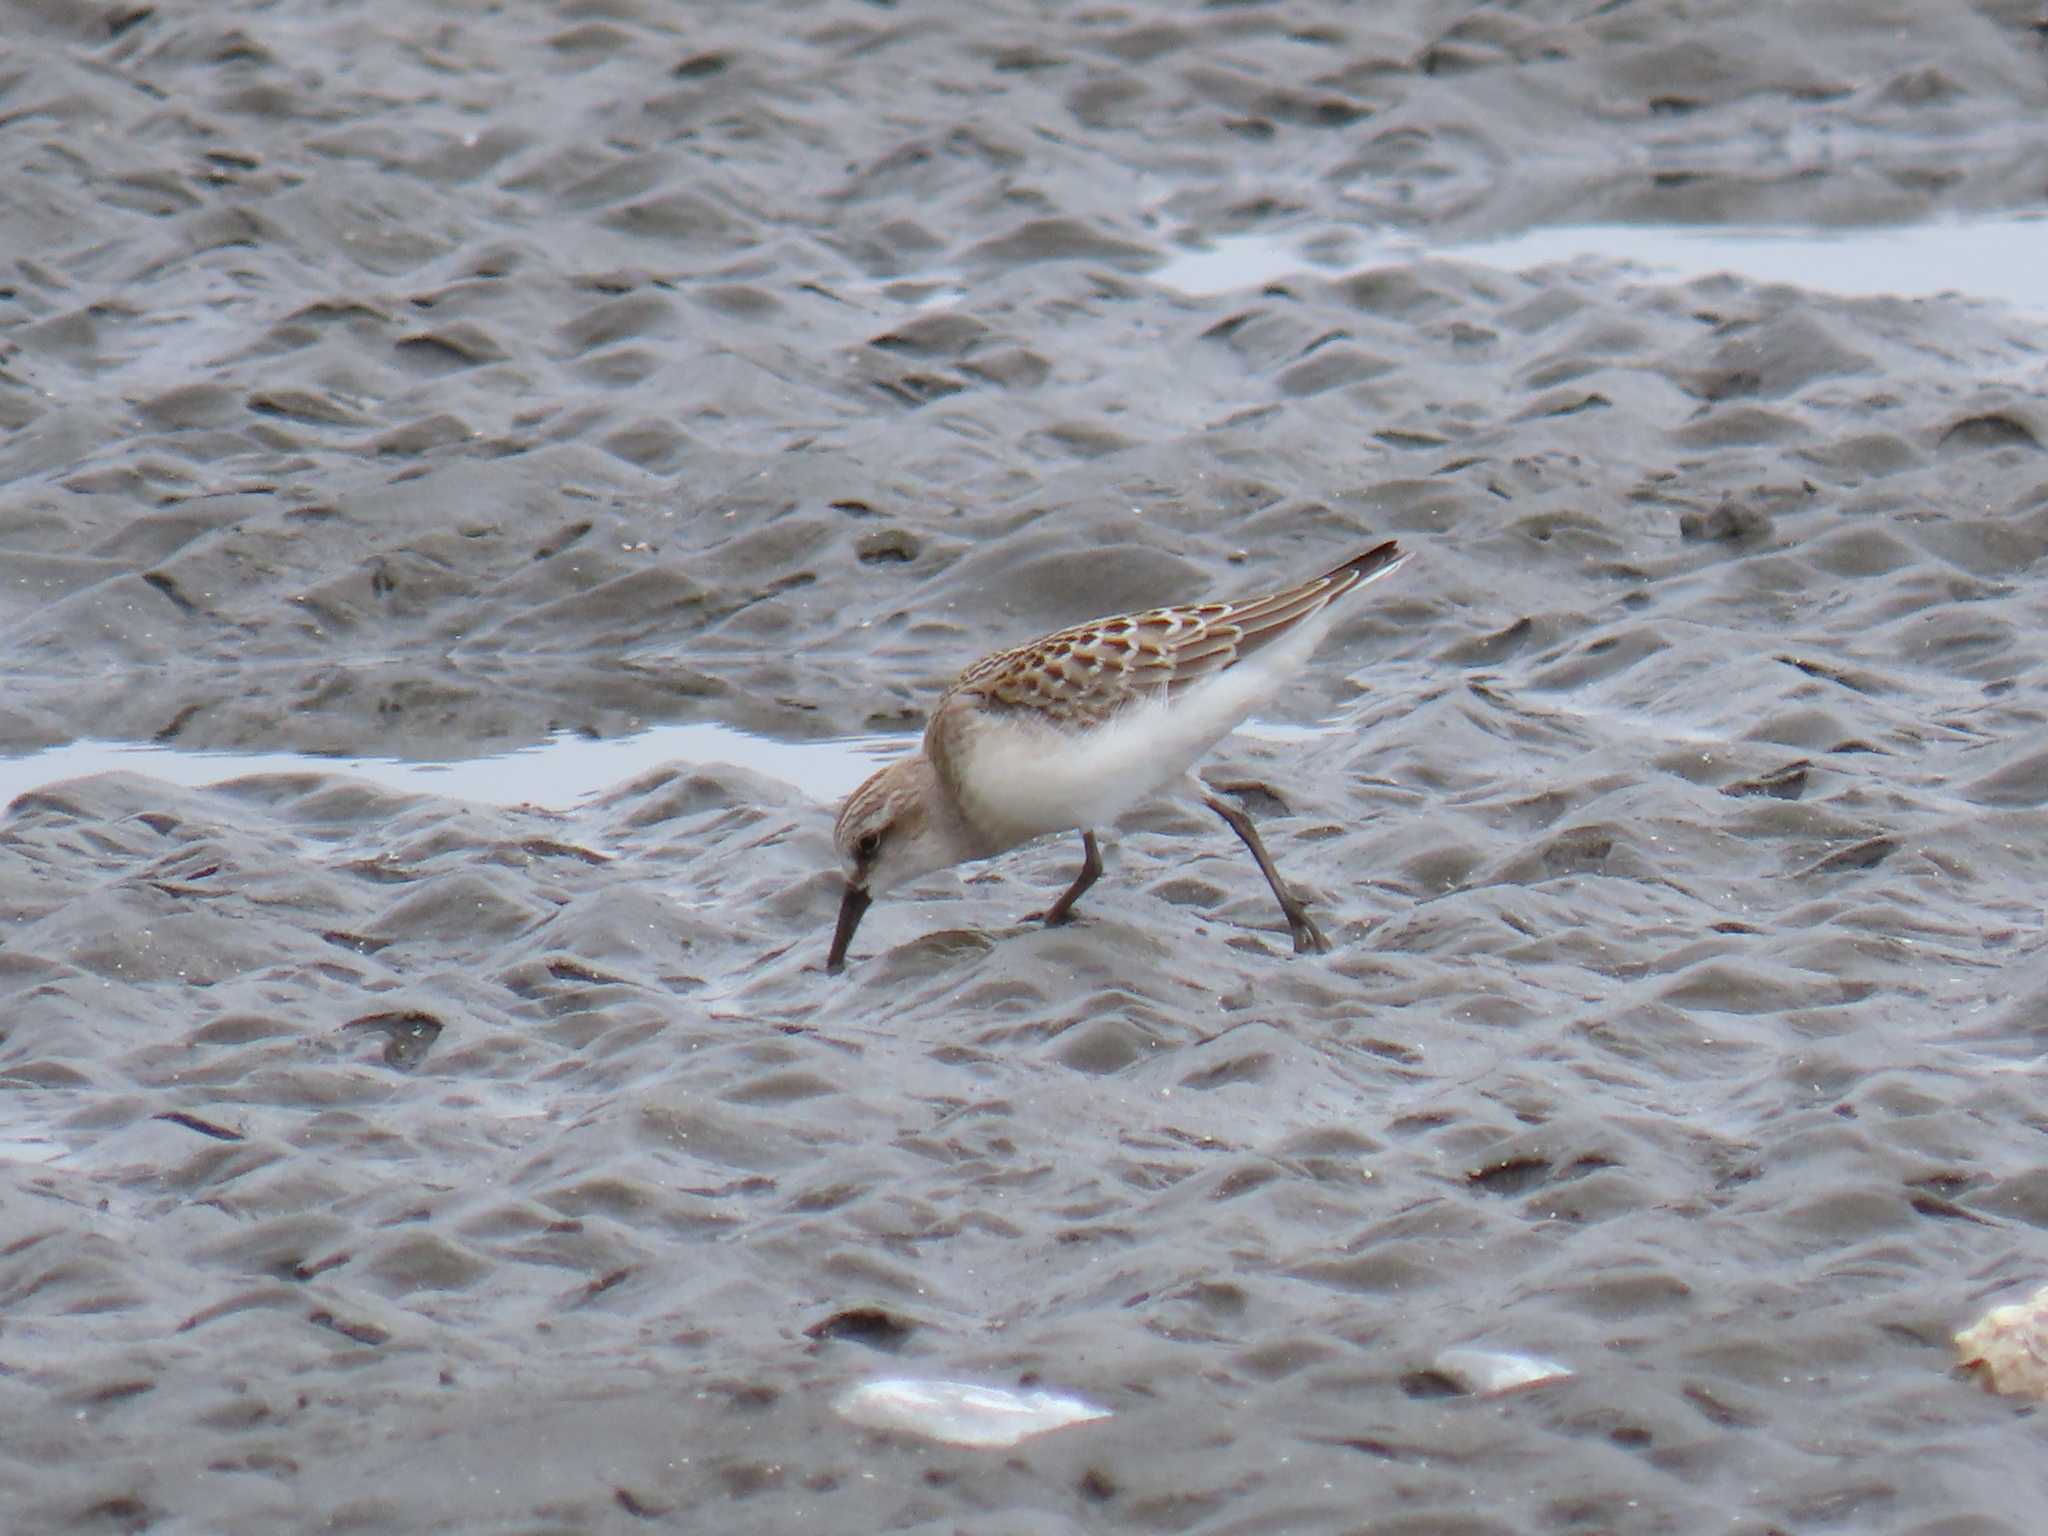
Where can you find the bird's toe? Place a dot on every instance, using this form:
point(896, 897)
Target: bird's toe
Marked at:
point(1309, 940)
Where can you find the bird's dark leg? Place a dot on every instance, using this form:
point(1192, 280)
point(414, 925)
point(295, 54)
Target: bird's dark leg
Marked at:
point(1091, 871)
point(1307, 936)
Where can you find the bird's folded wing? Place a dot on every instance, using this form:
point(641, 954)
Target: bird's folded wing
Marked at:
point(1085, 674)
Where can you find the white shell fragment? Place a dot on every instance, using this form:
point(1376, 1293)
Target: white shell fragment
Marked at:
point(2007, 1347)
point(962, 1412)
point(1484, 1372)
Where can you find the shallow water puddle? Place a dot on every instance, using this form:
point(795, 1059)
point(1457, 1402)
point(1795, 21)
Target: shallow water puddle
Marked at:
point(555, 773)
point(2004, 259)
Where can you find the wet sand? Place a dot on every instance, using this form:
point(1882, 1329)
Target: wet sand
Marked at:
point(426, 382)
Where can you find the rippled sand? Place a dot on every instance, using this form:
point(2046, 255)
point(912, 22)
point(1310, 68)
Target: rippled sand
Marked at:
point(426, 380)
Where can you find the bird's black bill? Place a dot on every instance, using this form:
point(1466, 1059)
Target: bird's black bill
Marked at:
point(852, 907)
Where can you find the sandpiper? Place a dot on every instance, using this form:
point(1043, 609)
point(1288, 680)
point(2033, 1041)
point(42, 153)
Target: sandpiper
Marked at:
point(1070, 731)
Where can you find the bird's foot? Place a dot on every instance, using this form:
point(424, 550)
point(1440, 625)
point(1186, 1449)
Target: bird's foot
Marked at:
point(1308, 938)
point(1053, 916)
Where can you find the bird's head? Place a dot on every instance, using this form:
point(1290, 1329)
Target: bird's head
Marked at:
point(887, 833)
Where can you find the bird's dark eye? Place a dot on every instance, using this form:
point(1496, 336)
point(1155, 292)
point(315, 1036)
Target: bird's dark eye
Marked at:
point(869, 845)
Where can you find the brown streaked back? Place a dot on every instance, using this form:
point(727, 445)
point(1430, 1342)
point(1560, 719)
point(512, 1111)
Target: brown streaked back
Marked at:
point(1084, 674)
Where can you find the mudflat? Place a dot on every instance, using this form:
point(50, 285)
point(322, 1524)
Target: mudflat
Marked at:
point(429, 380)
